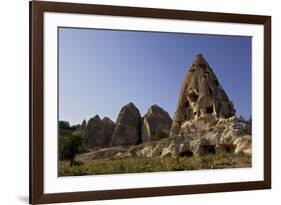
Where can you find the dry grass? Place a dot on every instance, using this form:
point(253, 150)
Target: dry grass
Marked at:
point(138, 165)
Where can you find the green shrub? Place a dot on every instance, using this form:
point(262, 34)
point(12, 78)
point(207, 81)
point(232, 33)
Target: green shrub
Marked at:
point(69, 146)
point(64, 125)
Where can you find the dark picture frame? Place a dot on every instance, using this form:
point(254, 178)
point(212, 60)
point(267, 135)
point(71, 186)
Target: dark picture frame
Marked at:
point(37, 9)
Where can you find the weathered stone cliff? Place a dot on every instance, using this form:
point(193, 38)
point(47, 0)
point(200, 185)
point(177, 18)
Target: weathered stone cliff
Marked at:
point(229, 135)
point(128, 126)
point(156, 124)
point(202, 98)
point(98, 133)
point(204, 123)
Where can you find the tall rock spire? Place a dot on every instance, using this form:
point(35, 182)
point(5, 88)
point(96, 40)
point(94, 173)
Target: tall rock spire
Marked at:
point(128, 126)
point(202, 98)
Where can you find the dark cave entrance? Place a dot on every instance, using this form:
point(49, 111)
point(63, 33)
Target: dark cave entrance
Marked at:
point(186, 154)
point(209, 110)
point(193, 97)
point(208, 149)
point(228, 148)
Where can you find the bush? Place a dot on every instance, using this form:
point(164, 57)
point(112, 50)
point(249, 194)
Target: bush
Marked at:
point(64, 125)
point(69, 146)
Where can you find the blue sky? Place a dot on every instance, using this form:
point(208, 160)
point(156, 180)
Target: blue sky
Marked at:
point(100, 71)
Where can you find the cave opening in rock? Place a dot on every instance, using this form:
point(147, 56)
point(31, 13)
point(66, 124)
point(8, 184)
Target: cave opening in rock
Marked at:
point(209, 110)
point(193, 97)
point(208, 149)
point(228, 148)
point(186, 104)
point(202, 65)
point(186, 154)
point(211, 91)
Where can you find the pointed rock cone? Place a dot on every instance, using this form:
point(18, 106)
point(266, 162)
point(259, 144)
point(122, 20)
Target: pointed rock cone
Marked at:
point(202, 98)
point(98, 133)
point(156, 124)
point(128, 127)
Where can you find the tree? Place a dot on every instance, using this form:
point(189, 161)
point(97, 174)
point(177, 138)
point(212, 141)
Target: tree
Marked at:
point(69, 146)
point(75, 144)
point(64, 125)
point(74, 127)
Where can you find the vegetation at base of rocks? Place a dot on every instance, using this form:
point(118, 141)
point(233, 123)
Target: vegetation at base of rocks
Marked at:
point(140, 165)
point(65, 125)
point(70, 143)
point(65, 133)
point(69, 146)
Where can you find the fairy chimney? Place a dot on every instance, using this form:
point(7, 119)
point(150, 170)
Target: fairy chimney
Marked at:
point(202, 99)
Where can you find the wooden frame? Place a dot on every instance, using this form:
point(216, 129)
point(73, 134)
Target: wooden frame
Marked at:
point(37, 9)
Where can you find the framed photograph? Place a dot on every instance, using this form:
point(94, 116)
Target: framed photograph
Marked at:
point(138, 102)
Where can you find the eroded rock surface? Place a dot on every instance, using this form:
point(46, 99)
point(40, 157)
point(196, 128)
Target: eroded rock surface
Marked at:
point(156, 124)
point(98, 133)
point(204, 123)
point(128, 127)
point(230, 135)
point(202, 98)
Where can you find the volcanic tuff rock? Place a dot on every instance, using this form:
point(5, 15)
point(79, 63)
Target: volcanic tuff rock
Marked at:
point(229, 135)
point(83, 125)
point(127, 131)
point(98, 133)
point(128, 126)
point(109, 127)
point(204, 123)
point(156, 124)
point(202, 98)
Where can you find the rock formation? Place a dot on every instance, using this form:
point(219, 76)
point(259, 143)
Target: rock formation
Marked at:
point(156, 124)
point(202, 98)
point(98, 133)
point(204, 123)
point(229, 135)
point(83, 124)
point(108, 127)
point(128, 127)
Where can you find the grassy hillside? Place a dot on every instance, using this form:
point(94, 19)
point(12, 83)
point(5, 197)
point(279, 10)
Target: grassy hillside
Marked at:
point(138, 165)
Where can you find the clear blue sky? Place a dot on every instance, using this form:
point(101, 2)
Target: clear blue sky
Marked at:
point(100, 71)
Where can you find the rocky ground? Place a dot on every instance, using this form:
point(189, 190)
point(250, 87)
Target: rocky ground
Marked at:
point(230, 135)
